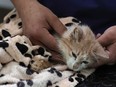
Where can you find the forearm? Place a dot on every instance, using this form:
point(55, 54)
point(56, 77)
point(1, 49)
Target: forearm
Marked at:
point(23, 6)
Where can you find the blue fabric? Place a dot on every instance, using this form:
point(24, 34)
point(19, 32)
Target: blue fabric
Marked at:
point(98, 14)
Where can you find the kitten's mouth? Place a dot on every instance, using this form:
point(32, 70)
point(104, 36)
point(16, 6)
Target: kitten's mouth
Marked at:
point(76, 67)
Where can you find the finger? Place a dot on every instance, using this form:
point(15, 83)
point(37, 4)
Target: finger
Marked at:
point(48, 40)
point(56, 57)
point(104, 40)
point(112, 54)
point(98, 35)
point(57, 25)
point(108, 37)
point(35, 42)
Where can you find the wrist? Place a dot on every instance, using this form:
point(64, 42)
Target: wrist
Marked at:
point(23, 6)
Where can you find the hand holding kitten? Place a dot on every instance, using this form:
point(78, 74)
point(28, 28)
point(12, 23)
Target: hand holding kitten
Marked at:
point(108, 40)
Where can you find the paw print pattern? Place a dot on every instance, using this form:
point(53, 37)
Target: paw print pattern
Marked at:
point(26, 65)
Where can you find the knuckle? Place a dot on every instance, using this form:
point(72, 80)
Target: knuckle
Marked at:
point(55, 18)
point(32, 34)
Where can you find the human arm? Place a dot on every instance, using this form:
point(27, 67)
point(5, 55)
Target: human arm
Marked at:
point(37, 22)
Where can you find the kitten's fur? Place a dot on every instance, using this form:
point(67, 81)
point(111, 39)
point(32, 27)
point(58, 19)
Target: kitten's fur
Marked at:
point(80, 49)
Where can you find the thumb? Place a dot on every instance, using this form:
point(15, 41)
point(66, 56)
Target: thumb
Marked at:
point(108, 37)
point(112, 54)
point(104, 40)
point(57, 25)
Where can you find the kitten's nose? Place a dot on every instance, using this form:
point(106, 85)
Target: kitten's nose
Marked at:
point(75, 66)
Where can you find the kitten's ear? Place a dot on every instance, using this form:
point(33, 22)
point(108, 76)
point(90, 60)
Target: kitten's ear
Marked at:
point(77, 34)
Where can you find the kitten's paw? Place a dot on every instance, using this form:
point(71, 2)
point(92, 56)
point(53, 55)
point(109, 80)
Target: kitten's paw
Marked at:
point(39, 63)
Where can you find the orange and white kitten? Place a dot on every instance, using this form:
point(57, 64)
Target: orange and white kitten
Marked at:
point(79, 47)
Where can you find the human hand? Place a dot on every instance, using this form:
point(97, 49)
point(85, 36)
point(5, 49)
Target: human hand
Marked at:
point(37, 22)
point(108, 40)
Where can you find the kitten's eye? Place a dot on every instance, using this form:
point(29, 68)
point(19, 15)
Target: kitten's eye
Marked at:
point(85, 62)
point(74, 55)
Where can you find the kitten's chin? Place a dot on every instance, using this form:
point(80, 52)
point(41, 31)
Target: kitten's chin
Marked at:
point(70, 63)
point(78, 68)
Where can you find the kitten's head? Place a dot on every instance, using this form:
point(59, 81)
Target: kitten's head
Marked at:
point(80, 49)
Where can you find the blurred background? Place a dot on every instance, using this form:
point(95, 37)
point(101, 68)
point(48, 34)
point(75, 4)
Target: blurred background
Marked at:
point(5, 7)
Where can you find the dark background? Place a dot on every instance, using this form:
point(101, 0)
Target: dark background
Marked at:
point(3, 12)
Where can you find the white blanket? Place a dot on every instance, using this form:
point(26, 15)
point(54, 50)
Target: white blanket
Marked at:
point(16, 52)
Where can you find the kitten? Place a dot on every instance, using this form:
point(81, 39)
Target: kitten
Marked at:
point(80, 49)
